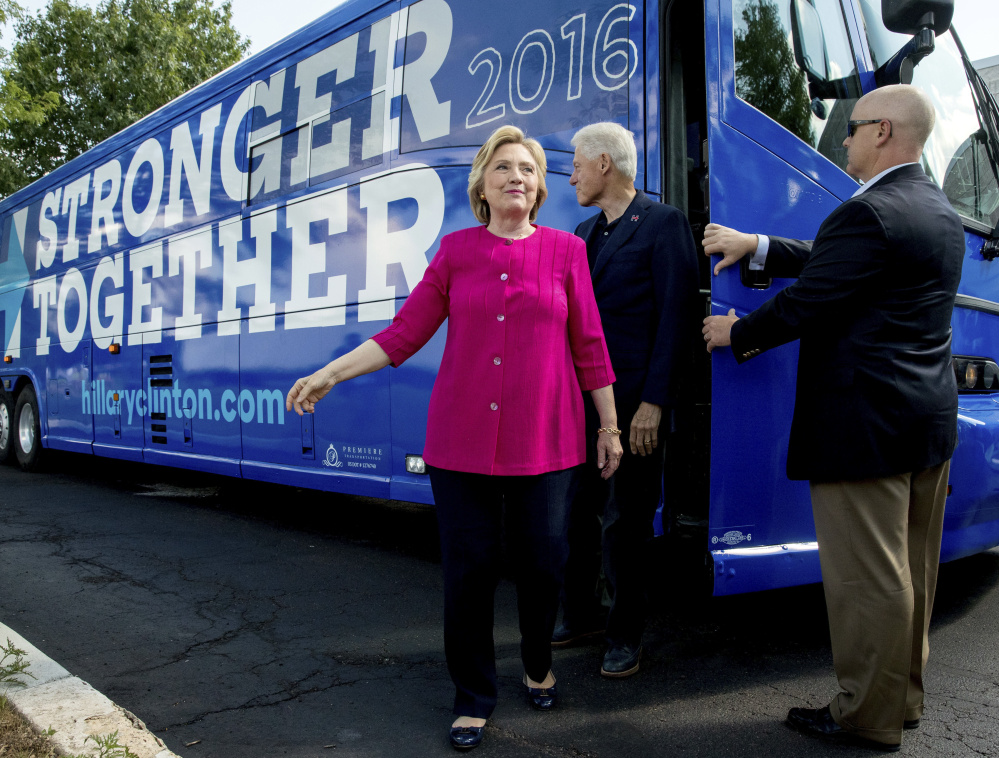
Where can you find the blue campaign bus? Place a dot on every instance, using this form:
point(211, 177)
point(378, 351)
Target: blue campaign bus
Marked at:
point(161, 293)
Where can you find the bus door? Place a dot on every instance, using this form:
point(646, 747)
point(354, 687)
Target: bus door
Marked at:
point(117, 408)
point(68, 393)
point(782, 82)
point(193, 402)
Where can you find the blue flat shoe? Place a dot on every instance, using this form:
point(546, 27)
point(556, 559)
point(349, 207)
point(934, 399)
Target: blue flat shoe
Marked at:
point(541, 698)
point(466, 737)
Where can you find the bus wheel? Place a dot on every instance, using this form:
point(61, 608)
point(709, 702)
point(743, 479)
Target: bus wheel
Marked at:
point(6, 420)
point(27, 432)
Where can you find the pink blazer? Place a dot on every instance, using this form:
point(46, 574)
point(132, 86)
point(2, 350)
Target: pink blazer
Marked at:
point(523, 339)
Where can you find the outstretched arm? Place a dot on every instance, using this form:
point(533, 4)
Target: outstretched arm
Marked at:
point(309, 390)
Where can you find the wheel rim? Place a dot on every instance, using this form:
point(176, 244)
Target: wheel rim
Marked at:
point(26, 429)
point(4, 426)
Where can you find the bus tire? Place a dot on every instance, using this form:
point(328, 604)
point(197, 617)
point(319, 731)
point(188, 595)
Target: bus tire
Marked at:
point(6, 425)
point(27, 431)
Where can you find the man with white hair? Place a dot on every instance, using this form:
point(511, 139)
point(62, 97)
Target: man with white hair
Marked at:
point(875, 416)
point(644, 268)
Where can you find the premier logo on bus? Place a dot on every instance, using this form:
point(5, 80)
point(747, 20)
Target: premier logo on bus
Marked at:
point(332, 459)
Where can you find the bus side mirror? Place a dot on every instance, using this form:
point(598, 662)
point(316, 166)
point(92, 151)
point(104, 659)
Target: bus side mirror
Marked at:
point(924, 19)
point(912, 16)
point(809, 41)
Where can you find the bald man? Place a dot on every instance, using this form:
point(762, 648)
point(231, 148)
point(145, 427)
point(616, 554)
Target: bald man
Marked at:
point(875, 416)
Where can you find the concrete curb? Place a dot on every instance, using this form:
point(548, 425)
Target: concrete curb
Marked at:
point(56, 700)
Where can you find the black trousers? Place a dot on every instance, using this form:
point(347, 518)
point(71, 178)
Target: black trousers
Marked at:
point(472, 512)
point(613, 519)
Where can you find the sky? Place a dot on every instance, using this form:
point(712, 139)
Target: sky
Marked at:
point(976, 21)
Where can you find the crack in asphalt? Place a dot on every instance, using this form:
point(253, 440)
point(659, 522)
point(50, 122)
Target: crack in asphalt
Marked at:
point(286, 694)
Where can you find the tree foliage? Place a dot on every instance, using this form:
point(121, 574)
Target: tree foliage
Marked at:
point(109, 66)
point(17, 105)
point(766, 75)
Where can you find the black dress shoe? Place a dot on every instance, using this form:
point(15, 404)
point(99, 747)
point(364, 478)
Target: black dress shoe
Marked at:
point(818, 722)
point(621, 661)
point(541, 698)
point(466, 737)
point(910, 724)
point(564, 636)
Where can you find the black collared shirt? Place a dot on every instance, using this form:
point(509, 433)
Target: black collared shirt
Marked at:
point(601, 233)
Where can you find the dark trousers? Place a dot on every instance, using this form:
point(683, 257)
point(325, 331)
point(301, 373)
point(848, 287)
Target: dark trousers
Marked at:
point(472, 512)
point(613, 519)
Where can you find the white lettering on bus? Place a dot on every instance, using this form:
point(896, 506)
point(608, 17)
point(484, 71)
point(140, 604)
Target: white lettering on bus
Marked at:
point(253, 272)
point(432, 18)
point(72, 283)
point(48, 232)
point(113, 270)
point(232, 174)
point(102, 221)
point(341, 58)
point(184, 164)
point(308, 259)
point(139, 222)
point(136, 199)
point(194, 251)
point(406, 246)
point(43, 295)
point(77, 193)
point(191, 253)
point(140, 331)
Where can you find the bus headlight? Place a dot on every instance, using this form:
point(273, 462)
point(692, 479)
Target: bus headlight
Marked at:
point(415, 464)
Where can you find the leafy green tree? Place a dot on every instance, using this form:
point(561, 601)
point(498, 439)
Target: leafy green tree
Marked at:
point(16, 105)
point(766, 75)
point(110, 67)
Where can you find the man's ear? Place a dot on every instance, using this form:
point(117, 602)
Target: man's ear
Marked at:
point(605, 163)
point(884, 132)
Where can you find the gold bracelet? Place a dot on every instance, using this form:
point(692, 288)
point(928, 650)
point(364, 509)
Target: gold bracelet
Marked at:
point(609, 430)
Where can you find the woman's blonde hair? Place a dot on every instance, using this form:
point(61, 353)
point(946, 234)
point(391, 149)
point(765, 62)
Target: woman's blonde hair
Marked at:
point(505, 135)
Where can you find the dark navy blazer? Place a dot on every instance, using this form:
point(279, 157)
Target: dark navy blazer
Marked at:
point(645, 282)
point(872, 304)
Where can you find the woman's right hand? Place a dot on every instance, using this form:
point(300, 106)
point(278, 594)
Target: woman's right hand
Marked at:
point(309, 390)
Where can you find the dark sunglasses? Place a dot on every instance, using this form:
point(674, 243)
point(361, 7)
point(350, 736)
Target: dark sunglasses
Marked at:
point(851, 126)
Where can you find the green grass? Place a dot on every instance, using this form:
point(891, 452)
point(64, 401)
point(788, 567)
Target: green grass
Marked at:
point(19, 740)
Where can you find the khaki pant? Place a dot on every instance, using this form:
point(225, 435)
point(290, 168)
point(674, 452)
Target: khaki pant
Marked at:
point(879, 546)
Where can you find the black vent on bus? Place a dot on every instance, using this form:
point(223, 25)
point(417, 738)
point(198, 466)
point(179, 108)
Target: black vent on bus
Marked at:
point(160, 376)
point(161, 370)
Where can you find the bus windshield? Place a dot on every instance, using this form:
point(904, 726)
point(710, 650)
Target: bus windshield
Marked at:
point(955, 155)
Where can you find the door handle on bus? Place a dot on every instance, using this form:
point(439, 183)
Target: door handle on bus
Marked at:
point(753, 278)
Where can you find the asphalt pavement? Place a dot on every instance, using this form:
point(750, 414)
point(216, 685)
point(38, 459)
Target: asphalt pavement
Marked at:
point(240, 619)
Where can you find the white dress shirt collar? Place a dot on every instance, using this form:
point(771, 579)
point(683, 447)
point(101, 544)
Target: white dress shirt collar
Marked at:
point(867, 185)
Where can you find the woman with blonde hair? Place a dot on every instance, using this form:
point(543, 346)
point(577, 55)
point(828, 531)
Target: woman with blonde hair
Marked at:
point(505, 429)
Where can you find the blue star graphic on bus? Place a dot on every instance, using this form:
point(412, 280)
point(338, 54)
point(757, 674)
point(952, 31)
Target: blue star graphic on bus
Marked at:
point(13, 271)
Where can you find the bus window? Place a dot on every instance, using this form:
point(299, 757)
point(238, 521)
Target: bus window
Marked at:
point(794, 63)
point(955, 156)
